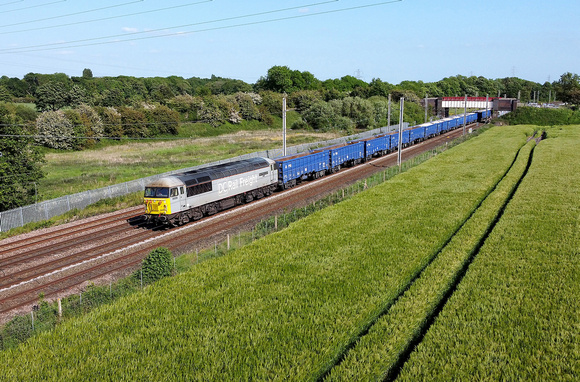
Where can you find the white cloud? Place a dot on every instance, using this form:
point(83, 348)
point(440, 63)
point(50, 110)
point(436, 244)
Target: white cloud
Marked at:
point(130, 30)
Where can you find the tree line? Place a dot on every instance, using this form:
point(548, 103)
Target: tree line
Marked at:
point(74, 113)
point(128, 106)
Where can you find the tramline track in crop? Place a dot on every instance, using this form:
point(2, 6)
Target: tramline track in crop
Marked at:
point(182, 239)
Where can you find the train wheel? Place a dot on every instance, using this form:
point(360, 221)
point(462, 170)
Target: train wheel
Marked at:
point(183, 219)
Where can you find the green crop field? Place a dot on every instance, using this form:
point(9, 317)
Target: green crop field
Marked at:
point(378, 355)
point(516, 315)
point(297, 305)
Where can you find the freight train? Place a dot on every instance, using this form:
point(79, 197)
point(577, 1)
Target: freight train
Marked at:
point(180, 198)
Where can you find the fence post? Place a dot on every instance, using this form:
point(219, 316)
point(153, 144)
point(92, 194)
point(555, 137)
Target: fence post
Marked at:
point(275, 222)
point(59, 308)
point(228, 241)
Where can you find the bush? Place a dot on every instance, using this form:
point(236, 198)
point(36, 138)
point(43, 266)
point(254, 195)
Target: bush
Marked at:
point(156, 265)
point(134, 122)
point(247, 103)
point(162, 120)
point(55, 130)
point(272, 102)
point(216, 110)
point(112, 121)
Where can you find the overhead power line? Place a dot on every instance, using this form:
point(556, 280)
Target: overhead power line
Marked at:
point(71, 14)
point(167, 28)
point(12, 2)
point(33, 7)
point(86, 42)
point(101, 19)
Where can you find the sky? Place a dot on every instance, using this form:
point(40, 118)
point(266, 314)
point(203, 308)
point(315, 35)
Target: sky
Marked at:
point(397, 40)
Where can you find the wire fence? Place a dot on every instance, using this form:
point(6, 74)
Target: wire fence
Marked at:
point(50, 208)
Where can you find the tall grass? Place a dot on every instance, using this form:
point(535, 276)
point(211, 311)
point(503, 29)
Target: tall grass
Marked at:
point(289, 305)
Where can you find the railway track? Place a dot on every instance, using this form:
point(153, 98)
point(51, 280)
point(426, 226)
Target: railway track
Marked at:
point(68, 257)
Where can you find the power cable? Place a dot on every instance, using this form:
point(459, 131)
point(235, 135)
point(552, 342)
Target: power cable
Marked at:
point(71, 14)
point(66, 44)
point(101, 19)
point(33, 7)
point(165, 29)
point(12, 2)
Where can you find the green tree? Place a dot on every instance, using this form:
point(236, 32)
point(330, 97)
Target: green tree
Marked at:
point(360, 111)
point(112, 97)
point(77, 96)
point(248, 105)
point(20, 162)
point(4, 94)
point(162, 120)
point(134, 122)
point(91, 125)
point(279, 79)
point(15, 86)
point(303, 99)
point(112, 121)
point(87, 73)
point(323, 116)
point(380, 88)
point(568, 88)
point(186, 105)
point(51, 96)
point(216, 110)
point(272, 102)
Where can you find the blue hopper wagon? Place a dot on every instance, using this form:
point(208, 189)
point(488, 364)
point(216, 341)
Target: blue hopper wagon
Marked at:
point(416, 134)
point(346, 155)
point(375, 146)
point(295, 168)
